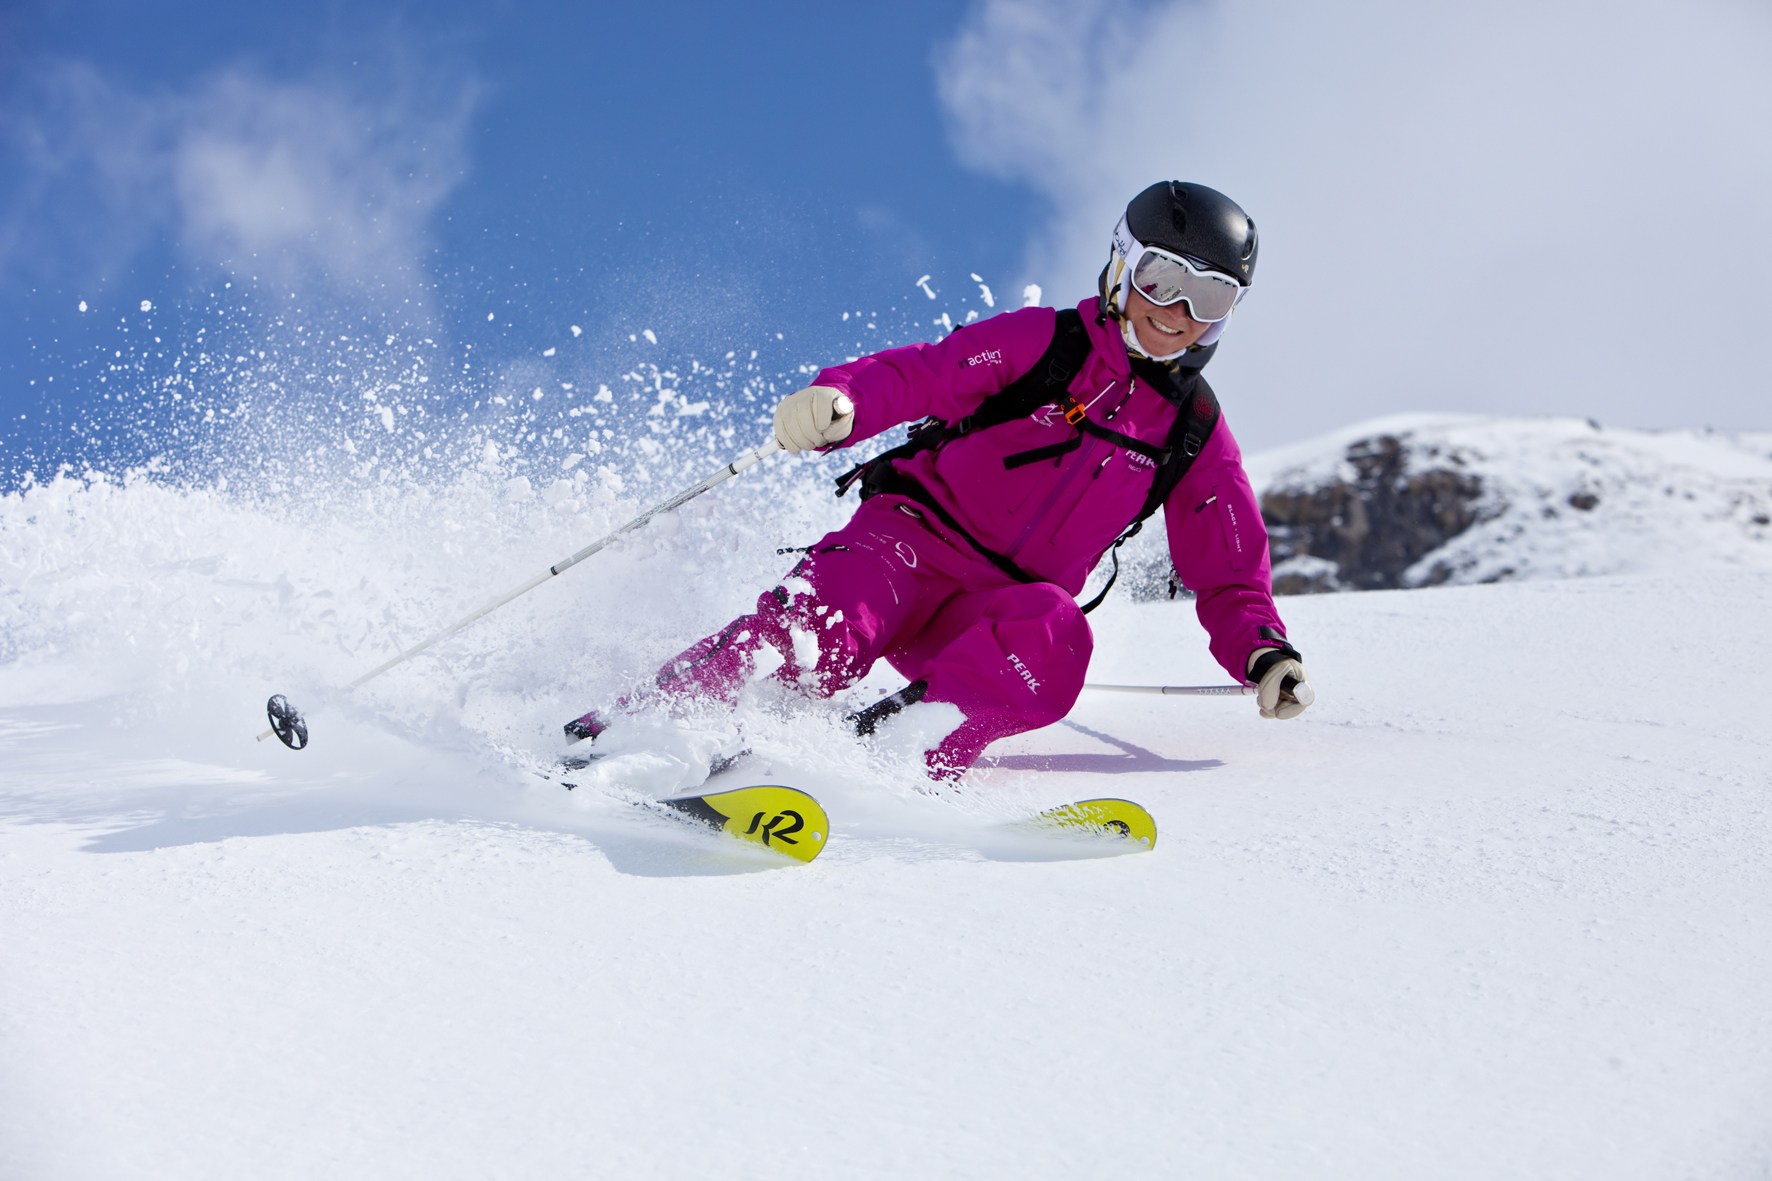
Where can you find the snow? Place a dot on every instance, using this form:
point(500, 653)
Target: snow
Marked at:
point(1497, 905)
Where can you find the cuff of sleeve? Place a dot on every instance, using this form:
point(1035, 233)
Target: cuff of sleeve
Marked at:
point(1269, 657)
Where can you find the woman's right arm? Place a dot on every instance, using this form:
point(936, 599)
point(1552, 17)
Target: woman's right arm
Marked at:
point(948, 378)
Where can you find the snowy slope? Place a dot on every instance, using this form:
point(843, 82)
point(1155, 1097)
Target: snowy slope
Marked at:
point(1497, 906)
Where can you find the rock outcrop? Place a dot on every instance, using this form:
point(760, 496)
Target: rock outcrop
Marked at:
point(1428, 500)
point(1365, 528)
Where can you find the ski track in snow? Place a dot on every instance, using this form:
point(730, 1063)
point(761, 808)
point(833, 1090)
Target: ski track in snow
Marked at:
point(1496, 906)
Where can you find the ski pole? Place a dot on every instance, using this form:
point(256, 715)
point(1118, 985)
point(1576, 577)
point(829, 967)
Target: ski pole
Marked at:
point(287, 724)
point(1301, 690)
point(1245, 690)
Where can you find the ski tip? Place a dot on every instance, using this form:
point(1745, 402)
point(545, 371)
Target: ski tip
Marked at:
point(784, 820)
point(1113, 819)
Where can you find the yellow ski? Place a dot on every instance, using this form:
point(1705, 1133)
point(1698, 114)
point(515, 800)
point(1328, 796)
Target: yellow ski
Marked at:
point(780, 818)
point(1114, 819)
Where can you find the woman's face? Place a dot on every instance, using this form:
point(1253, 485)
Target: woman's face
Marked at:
point(1162, 331)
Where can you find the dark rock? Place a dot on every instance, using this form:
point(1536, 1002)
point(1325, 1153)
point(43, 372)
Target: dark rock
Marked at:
point(1585, 501)
point(1372, 529)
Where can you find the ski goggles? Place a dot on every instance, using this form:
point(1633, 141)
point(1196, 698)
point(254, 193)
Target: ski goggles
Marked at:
point(1165, 279)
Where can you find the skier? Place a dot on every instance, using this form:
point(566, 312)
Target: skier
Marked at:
point(1049, 436)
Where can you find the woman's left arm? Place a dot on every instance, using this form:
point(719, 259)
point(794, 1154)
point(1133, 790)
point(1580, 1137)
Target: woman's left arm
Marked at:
point(1219, 545)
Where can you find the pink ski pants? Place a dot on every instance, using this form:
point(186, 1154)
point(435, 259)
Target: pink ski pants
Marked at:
point(1010, 655)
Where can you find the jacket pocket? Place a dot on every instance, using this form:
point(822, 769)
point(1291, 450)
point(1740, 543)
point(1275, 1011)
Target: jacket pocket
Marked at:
point(1109, 494)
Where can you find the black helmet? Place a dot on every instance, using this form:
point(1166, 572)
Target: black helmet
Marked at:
point(1182, 218)
point(1199, 222)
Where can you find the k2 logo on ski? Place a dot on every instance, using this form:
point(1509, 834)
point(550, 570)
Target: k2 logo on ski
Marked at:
point(773, 829)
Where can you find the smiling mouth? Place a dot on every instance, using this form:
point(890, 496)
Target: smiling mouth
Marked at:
point(1164, 328)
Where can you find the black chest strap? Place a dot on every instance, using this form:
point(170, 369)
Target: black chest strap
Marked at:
point(1077, 415)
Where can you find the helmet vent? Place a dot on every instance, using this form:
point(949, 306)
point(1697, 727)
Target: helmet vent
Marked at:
point(1249, 240)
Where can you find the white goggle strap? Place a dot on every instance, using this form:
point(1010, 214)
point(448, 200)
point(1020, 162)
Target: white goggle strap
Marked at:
point(1126, 252)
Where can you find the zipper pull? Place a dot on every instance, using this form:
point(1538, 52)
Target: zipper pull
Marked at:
point(1101, 467)
point(1121, 404)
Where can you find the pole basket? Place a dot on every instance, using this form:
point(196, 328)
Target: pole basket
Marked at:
point(287, 722)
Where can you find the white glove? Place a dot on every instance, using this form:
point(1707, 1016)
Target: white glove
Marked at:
point(812, 418)
point(1275, 701)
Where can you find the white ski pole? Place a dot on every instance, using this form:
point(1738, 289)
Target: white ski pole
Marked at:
point(1180, 690)
point(1299, 689)
point(287, 724)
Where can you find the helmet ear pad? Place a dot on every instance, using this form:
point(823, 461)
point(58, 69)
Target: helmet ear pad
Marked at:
point(1111, 283)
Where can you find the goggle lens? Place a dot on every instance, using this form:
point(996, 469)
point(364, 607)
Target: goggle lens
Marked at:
point(1165, 279)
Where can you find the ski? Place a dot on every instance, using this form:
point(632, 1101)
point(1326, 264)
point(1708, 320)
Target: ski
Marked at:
point(784, 819)
point(1119, 820)
point(793, 823)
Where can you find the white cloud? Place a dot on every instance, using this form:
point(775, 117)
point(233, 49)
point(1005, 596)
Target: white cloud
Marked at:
point(1517, 207)
point(299, 182)
point(314, 179)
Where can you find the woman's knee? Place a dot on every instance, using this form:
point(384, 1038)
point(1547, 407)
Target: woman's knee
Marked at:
point(1045, 638)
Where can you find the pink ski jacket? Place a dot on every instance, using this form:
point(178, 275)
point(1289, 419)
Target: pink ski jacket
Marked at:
point(1057, 519)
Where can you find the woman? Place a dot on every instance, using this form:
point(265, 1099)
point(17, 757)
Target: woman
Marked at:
point(1049, 436)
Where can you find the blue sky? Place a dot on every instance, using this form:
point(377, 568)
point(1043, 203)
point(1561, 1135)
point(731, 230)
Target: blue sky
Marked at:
point(1516, 207)
point(715, 172)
